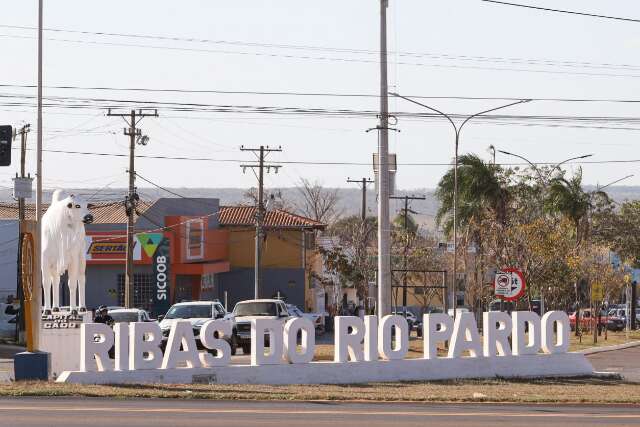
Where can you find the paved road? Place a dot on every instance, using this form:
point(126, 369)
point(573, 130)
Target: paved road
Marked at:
point(626, 362)
point(175, 413)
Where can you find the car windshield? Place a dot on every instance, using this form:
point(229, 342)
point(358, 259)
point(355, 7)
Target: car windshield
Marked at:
point(191, 311)
point(255, 309)
point(125, 316)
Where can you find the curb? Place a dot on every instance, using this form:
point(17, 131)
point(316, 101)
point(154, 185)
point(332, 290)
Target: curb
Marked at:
point(595, 350)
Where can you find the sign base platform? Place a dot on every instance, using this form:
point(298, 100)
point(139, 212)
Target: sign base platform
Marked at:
point(536, 366)
point(60, 336)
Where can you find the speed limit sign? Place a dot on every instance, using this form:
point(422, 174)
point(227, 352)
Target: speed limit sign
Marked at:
point(509, 284)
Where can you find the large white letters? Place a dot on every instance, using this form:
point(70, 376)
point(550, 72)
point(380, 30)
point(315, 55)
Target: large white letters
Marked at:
point(274, 329)
point(181, 334)
point(220, 345)
point(91, 348)
point(437, 328)
point(524, 343)
point(385, 337)
point(348, 346)
point(561, 343)
point(465, 336)
point(144, 346)
point(496, 328)
point(305, 327)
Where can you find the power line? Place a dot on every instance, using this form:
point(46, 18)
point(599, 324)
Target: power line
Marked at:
point(316, 163)
point(432, 55)
point(314, 94)
point(331, 58)
point(546, 9)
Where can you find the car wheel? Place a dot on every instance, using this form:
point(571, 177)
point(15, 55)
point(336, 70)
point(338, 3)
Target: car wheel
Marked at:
point(234, 345)
point(246, 348)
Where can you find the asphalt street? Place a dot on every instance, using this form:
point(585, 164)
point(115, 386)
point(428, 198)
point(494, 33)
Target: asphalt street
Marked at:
point(626, 362)
point(33, 412)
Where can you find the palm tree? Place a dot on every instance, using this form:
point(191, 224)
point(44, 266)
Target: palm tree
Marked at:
point(481, 190)
point(568, 198)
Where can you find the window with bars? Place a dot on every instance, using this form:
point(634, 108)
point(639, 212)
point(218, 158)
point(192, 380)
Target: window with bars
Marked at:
point(142, 291)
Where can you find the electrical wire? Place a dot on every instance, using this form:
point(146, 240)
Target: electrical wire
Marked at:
point(332, 59)
point(312, 94)
point(546, 9)
point(320, 163)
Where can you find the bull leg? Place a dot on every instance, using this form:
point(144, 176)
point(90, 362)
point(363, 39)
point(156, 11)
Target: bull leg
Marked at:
point(81, 283)
point(55, 285)
point(73, 285)
point(46, 286)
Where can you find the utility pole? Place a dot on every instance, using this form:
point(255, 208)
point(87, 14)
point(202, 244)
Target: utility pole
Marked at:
point(406, 246)
point(135, 136)
point(384, 232)
point(261, 154)
point(363, 182)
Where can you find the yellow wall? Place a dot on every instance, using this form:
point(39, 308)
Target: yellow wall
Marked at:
point(282, 249)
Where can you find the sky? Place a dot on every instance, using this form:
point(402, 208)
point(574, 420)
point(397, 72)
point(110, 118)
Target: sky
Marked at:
point(439, 49)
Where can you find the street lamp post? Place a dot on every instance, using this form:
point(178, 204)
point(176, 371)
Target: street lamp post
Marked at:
point(545, 178)
point(458, 130)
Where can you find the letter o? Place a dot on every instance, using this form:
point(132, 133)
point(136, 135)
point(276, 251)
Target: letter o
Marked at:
point(162, 268)
point(308, 344)
point(385, 347)
point(559, 343)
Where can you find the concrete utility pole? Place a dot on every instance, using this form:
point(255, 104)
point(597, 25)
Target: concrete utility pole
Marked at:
point(384, 235)
point(261, 153)
point(37, 282)
point(135, 135)
point(406, 246)
point(363, 182)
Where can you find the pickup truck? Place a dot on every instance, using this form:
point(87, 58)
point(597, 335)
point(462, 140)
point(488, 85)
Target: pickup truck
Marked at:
point(197, 313)
point(245, 311)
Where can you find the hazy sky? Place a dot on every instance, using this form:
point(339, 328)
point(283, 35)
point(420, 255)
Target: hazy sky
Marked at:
point(463, 48)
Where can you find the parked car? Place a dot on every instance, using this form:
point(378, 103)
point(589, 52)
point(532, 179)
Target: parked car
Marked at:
point(587, 321)
point(315, 318)
point(198, 313)
point(245, 311)
point(130, 315)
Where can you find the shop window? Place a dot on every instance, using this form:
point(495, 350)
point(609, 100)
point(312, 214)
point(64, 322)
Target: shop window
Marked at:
point(143, 291)
point(195, 239)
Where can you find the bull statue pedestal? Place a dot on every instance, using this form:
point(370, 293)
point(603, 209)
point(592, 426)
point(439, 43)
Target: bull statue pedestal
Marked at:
point(60, 336)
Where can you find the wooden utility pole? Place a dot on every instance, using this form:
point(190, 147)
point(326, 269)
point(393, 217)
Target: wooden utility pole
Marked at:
point(363, 183)
point(406, 246)
point(261, 153)
point(21, 218)
point(135, 136)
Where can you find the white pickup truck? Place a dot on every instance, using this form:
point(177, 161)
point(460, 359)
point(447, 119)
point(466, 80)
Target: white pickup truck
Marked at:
point(245, 311)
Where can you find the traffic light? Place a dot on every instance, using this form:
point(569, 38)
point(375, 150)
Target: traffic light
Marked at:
point(6, 136)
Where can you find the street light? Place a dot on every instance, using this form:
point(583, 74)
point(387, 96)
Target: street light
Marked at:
point(458, 130)
point(557, 166)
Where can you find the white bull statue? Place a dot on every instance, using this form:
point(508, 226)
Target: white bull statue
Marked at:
point(63, 247)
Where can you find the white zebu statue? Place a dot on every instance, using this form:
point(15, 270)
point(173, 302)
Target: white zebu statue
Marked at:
point(63, 248)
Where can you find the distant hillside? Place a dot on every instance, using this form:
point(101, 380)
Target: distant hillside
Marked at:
point(349, 204)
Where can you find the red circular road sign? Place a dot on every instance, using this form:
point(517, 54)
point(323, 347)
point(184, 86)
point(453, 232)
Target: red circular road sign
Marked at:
point(509, 284)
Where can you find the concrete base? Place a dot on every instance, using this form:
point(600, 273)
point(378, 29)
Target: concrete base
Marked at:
point(541, 365)
point(64, 346)
point(29, 366)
